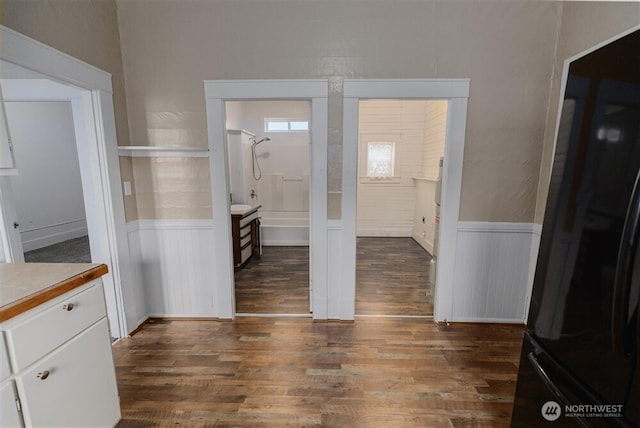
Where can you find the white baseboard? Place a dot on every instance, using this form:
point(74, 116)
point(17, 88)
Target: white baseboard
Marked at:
point(390, 232)
point(427, 245)
point(33, 240)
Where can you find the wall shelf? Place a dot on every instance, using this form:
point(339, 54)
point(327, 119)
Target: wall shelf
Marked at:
point(163, 151)
point(433, 180)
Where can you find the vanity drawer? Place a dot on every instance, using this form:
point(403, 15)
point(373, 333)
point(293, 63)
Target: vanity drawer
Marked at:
point(245, 241)
point(64, 318)
point(245, 221)
point(245, 254)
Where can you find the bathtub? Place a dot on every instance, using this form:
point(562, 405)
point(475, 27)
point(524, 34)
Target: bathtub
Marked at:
point(284, 229)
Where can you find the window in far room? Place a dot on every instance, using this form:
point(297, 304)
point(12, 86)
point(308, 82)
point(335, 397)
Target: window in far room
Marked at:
point(286, 125)
point(380, 159)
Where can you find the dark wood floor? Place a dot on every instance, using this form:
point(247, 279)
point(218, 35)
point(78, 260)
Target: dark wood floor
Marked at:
point(392, 276)
point(275, 283)
point(292, 372)
point(391, 279)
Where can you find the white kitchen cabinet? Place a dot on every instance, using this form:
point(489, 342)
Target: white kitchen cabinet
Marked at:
point(9, 415)
point(62, 363)
point(74, 385)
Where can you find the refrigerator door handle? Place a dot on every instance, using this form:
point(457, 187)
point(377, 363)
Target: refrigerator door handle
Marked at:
point(624, 274)
point(547, 380)
point(554, 388)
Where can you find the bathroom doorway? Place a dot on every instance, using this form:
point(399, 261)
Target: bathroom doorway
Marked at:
point(400, 147)
point(269, 169)
point(314, 91)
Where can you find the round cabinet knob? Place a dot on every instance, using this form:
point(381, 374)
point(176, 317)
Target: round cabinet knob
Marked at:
point(43, 375)
point(68, 307)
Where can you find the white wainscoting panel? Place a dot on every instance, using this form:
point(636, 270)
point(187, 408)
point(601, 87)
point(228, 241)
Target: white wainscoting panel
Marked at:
point(137, 312)
point(533, 261)
point(334, 289)
point(177, 266)
point(493, 270)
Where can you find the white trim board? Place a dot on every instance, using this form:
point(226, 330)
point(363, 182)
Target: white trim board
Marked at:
point(163, 152)
point(36, 72)
point(216, 93)
point(456, 91)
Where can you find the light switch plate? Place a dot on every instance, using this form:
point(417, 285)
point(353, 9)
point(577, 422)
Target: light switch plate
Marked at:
point(127, 188)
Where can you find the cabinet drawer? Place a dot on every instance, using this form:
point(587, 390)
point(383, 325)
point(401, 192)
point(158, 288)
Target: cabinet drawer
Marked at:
point(245, 254)
point(248, 219)
point(244, 241)
point(79, 389)
point(48, 329)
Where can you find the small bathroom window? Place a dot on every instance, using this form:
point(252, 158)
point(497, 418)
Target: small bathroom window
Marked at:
point(380, 159)
point(286, 125)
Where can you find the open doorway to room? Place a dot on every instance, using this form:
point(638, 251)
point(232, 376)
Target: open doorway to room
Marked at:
point(47, 191)
point(315, 93)
point(400, 150)
point(456, 93)
point(34, 72)
point(269, 168)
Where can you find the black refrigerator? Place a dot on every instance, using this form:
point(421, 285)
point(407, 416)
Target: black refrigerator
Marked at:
point(579, 361)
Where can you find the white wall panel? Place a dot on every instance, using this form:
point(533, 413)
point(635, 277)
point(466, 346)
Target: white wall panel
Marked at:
point(48, 187)
point(177, 266)
point(424, 232)
point(334, 289)
point(492, 272)
point(137, 307)
point(533, 261)
point(387, 208)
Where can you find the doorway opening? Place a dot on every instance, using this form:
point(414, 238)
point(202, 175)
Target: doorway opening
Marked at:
point(268, 155)
point(456, 93)
point(400, 149)
point(32, 71)
point(315, 93)
point(47, 192)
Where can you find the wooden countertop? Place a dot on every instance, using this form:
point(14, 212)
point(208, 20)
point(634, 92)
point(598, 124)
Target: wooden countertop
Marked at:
point(24, 286)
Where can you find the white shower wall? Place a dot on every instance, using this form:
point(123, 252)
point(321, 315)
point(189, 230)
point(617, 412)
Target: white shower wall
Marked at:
point(283, 189)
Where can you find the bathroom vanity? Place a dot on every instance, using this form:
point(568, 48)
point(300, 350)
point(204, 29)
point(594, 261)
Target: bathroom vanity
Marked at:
point(55, 348)
point(245, 231)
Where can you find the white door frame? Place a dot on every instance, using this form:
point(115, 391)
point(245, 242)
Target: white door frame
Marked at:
point(456, 91)
point(216, 93)
point(34, 71)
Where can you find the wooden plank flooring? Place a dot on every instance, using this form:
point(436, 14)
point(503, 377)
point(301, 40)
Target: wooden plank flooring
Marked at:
point(391, 279)
point(275, 283)
point(292, 372)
